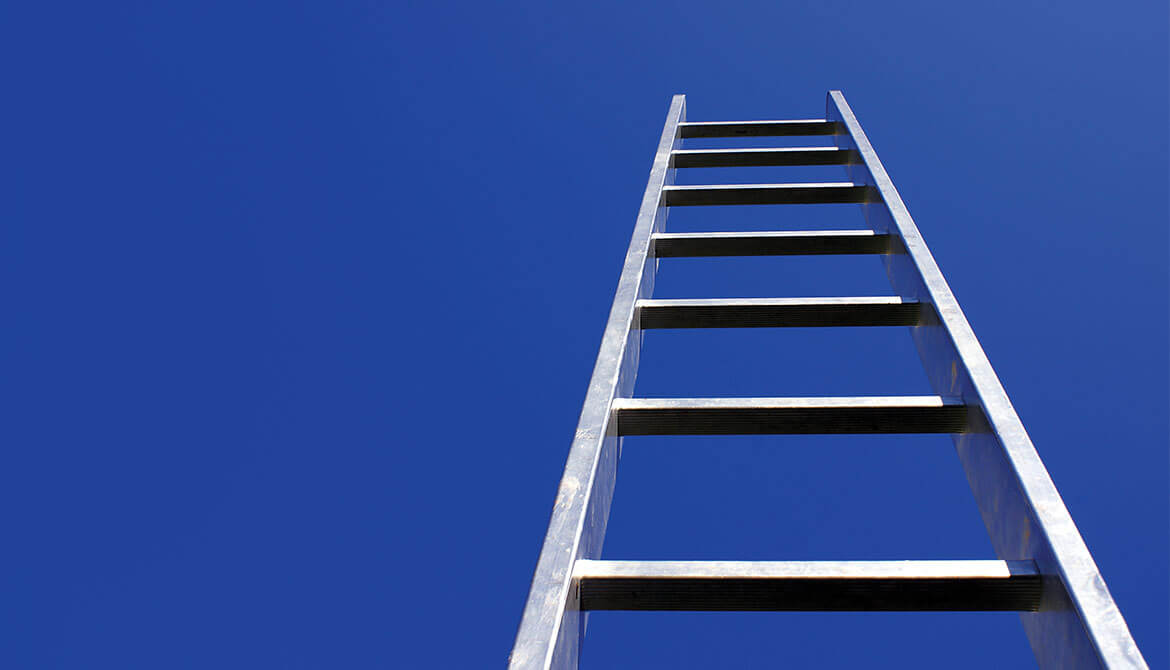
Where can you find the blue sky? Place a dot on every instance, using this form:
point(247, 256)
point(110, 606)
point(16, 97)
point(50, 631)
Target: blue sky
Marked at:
point(303, 299)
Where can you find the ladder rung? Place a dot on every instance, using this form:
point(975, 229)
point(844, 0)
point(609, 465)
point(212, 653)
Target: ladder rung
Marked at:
point(791, 416)
point(758, 128)
point(700, 158)
point(778, 312)
point(825, 193)
point(841, 586)
point(777, 243)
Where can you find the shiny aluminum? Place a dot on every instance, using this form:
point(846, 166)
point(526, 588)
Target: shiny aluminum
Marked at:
point(770, 243)
point(1044, 570)
point(765, 194)
point(757, 128)
point(1079, 625)
point(698, 158)
point(794, 416)
point(550, 630)
point(778, 312)
point(803, 586)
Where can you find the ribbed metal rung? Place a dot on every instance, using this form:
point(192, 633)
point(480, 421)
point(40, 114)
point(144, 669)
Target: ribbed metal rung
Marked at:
point(778, 312)
point(700, 158)
point(841, 586)
point(826, 193)
point(777, 243)
point(791, 416)
point(758, 128)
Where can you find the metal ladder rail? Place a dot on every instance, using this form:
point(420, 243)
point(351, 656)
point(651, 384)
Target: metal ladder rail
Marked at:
point(552, 623)
point(568, 582)
point(1078, 625)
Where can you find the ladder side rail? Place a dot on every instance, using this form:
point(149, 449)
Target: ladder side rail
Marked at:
point(1078, 625)
point(551, 626)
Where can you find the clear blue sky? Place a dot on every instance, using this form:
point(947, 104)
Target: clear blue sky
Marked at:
point(302, 299)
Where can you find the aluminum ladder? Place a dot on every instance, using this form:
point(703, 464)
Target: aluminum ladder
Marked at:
point(1045, 570)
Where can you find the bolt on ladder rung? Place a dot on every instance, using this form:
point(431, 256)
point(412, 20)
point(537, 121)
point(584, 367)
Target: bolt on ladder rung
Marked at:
point(792, 416)
point(773, 243)
point(778, 312)
point(757, 128)
point(821, 586)
point(824, 193)
point(703, 158)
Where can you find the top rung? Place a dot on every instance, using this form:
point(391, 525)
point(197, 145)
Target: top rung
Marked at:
point(757, 128)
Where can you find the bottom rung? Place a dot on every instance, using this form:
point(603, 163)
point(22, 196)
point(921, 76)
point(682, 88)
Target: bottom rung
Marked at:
point(842, 586)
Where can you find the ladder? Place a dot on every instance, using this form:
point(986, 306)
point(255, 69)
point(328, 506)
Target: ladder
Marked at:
point(1045, 570)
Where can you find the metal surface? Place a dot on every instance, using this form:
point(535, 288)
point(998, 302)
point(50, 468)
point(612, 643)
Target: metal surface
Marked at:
point(809, 585)
point(778, 312)
point(1079, 625)
point(699, 158)
point(774, 243)
point(757, 128)
point(1045, 570)
point(765, 194)
point(550, 629)
point(788, 416)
